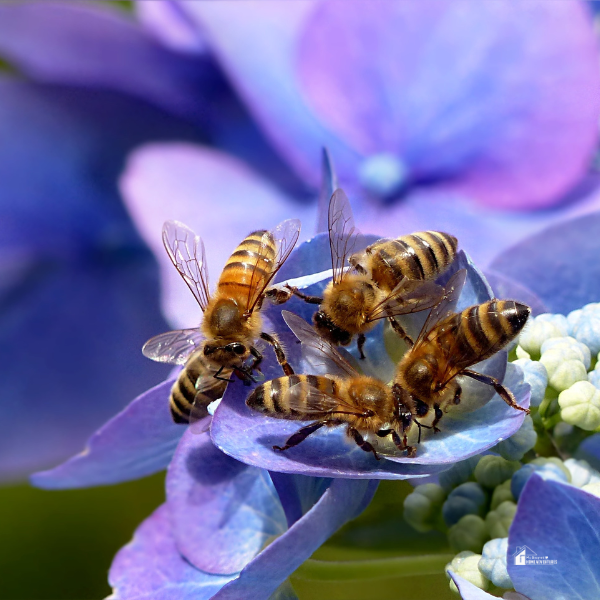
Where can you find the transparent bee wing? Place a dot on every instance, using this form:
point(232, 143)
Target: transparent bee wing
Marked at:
point(186, 251)
point(307, 400)
point(446, 305)
point(209, 389)
point(333, 362)
point(344, 237)
point(284, 236)
point(173, 347)
point(409, 296)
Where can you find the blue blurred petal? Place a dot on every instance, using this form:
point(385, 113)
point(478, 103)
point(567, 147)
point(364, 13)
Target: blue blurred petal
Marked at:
point(196, 180)
point(518, 81)
point(91, 45)
point(589, 450)
point(256, 44)
point(505, 287)
point(83, 297)
point(222, 511)
point(468, 591)
point(560, 264)
point(151, 568)
point(343, 500)
point(563, 523)
point(137, 442)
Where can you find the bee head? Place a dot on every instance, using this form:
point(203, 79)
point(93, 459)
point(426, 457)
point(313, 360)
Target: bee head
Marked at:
point(233, 354)
point(331, 332)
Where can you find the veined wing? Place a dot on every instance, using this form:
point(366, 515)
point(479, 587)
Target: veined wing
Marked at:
point(173, 347)
point(308, 400)
point(409, 296)
point(284, 237)
point(446, 305)
point(344, 238)
point(186, 251)
point(333, 362)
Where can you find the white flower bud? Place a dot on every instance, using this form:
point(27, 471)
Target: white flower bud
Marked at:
point(535, 333)
point(566, 374)
point(580, 405)
point(466, 564)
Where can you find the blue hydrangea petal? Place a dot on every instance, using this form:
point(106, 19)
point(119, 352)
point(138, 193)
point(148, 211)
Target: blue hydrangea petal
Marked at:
point(589, 450)
point(151, 568)
point(222, 511)
point(577, 282)
point(571, 537)
point(342, 501)
point(468, 591)
point(76, 277)
point(137, 442)
point(546, 471)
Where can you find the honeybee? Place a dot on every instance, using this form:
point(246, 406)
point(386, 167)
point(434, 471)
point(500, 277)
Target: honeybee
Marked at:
point(224, 342)
point(389, 278)
point(449, 344)
point(345, 397)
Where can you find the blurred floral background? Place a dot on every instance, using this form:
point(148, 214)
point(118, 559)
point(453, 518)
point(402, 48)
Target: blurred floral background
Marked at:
point(476, 118)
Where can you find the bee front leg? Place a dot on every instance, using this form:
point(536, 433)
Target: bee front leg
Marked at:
point(361, 442)
point(503, 392)
point(402, 444)
point(279, 353)
point(216, 376)
point(305, 297)
point(360, 342)
point(400, 331)
point(300, 435)
point(438, 415)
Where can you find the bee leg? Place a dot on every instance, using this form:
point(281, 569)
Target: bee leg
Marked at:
point(216, 376)
point(400, 331)
point(285, 365)
point(457, 395)
point(438, 415)
point(360, 342)
point(403, 445)
point(503, 392)
point(364, 445)
point(278, 295)
point(305, 297)
point(257, 359)
point(300, 435)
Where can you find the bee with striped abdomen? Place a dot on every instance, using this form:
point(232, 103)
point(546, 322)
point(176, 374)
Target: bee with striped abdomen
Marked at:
point(449, 344)
point(225, 341)
point(388, 279)
point(363, 404)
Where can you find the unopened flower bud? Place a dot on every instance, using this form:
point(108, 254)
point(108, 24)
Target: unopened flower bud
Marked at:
point(535, 374)
point(498, 521)
point(470, 533)
point(466, 564)
point(581, 472)
point(493, 562)
point(501, 494)
point(467, 499)
point(587, 331)
point(458, 473)
point(423, 506)
point(493, 470)
point(523, 440)
point(535, 333)
point(569, 342)
point(580, 405)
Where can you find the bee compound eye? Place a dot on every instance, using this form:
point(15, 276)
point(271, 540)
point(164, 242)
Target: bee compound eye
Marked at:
point(237, 348)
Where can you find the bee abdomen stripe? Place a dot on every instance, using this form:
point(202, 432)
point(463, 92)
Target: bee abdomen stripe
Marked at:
point(475, 329)
point(410, 259)
point(429, 246)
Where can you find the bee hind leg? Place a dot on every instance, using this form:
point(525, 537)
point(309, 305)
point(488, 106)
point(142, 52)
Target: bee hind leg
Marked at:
point(300, 436)
point(400, 331)
point(503, 392)
point(279, 353)
point(360, 342)
point(361, 442)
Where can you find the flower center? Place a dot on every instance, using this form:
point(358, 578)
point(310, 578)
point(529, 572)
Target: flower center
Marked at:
point(383, 174)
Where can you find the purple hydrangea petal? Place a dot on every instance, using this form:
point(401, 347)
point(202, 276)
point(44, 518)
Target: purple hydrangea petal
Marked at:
point(256, 45)
point(151, 568)
point(195, 180)
point(517, 83)
point(81, 295)
point(222, 511)
point(570, 535)
point(560, 264)
point(137, 442)
point(96, 46)
point(468, 591)
point(589, 450)
point(481, 231)
point(342, 501)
